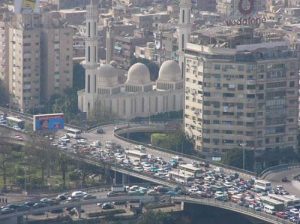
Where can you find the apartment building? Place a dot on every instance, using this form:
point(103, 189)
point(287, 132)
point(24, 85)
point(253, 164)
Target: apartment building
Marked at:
point(56, 54)
point(40, 52)
point(24, 61)
point(240, 91)
point(4, 18)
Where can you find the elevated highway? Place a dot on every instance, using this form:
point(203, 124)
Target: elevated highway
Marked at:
point(201, 201)
point(233, 207)
point(78, 204)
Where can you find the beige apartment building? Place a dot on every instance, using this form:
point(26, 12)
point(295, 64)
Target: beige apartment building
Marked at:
point(24, 61)
point(240, 91)
point(56, 54)
point(40, 52)
point(4, 18)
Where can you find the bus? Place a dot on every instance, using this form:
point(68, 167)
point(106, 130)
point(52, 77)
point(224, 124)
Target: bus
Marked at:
point(73, 133)
point(190, 170)
point(15, 122)
point(287, 201)
point(134, 155)
point(271, 205)
point(180, 177)
point(262, 185)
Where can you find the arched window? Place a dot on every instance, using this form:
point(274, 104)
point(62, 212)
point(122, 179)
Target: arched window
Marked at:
point(183, 15)
point(182, 41)
point(89, 53)
point(89, 29)
point(89, 84)
point(95, 54)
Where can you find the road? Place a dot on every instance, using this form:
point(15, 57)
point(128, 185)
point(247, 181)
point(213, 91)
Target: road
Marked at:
point(293, 187)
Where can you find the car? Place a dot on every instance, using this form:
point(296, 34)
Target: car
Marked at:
point(100, 131)
point(78, 194)
point(89, 197)
point(19, 137)
point(7, 211)
point(285, 180)
point(24, 207)
point(107, 206)
point(62, 197)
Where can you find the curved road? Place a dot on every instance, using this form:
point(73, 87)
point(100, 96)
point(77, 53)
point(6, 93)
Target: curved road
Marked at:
point(293, 187)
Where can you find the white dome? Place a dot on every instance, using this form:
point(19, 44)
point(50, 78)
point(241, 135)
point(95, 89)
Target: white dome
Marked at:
point(169, 72)
point(138, 74)
point(106, 70)
point(107, 75)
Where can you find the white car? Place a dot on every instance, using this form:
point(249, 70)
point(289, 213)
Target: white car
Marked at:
point(78, 194)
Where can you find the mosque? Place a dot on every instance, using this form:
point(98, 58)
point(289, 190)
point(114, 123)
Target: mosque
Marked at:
point(138, 96)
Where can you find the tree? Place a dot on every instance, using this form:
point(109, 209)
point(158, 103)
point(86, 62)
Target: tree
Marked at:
point(177, 141)
point(151, 217)
point(78, 77)
point(3, 95)
point(63, 166)
point(234, 157)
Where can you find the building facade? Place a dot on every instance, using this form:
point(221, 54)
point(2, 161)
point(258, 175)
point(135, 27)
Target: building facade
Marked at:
point(241, 95)
point(24, 61)
point(56, 54)
point(4, 19)
point(39, 59)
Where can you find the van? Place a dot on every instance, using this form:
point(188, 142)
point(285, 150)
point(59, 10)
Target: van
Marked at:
point(140, 147)
point(269, 209)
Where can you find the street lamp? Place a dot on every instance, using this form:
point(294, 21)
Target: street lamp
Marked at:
point(243, 145)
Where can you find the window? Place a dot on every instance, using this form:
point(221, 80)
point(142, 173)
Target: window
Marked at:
point(292, 83)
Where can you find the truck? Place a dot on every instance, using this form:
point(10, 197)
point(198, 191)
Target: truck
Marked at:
point(118, 188)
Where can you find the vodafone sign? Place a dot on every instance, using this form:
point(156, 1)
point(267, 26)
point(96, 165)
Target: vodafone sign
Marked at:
point(246, 9)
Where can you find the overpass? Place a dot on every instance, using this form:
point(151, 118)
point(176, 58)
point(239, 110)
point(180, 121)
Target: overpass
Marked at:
point(77, 204)
point(232, 207)
point(201, 201)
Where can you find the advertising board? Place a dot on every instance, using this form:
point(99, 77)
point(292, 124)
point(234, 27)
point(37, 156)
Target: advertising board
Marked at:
point(48, 122)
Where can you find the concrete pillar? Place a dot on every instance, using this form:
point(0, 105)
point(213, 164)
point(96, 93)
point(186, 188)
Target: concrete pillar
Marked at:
point(124, 179)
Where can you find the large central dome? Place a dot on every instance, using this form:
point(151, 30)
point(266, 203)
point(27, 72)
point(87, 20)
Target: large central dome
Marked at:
point(169, 72)
point(138, 74)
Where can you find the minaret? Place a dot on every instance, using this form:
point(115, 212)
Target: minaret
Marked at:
point(91, 47)
point(184, 30)
point(109, 42)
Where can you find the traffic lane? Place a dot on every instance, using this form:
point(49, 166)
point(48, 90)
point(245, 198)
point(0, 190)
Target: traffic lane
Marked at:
point(292, 187)
point(108, 135)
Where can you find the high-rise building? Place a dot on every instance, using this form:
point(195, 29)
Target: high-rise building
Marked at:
point(40, 52)
point(240, 91)
point(4, 18)
point(184, 30)
point(24, 61)
point(56, 56)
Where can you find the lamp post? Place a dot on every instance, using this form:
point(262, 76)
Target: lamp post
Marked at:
point(243, 145)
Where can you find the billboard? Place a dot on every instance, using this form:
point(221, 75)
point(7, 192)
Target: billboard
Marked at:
point(29, 4)
point(48, 122)
point(26, 6)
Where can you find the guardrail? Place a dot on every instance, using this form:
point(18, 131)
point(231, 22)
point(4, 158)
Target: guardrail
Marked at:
point(234, 207)
point(78, 204)
point(229, 169)
point(278, 168)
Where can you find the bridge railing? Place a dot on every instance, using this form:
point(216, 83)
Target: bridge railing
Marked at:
point(229, 169)
point(278, 168)
point(234, 207)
